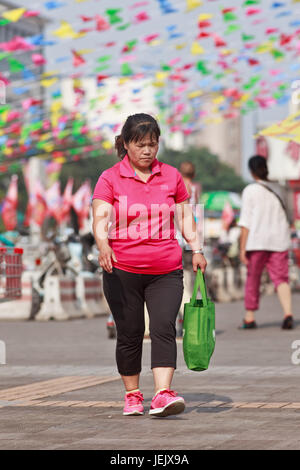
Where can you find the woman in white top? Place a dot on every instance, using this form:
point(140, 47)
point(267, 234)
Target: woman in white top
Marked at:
point(265, 240)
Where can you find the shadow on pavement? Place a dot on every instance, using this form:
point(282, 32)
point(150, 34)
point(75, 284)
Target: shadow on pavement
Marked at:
point(202, 399)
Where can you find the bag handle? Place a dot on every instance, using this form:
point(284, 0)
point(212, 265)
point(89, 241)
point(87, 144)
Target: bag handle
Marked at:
point(199, 282)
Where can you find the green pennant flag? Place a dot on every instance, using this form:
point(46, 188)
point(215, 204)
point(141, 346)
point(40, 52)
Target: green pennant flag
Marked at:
point(278, 94)
point(3, 55)
point(126, 69)
point(100, 69)
point(4, 108)
point(232, 28)
point(247, 37)
point(123, 27)
point(165, 67)
point(113, 15)
point(131, 44)
point(4, 21)
point(201, 66)
point(14, 65)
point(250, 2)
point(104, 58)
point(277, 54)
point(251, 104)
point(229, 16)
point(253, 80)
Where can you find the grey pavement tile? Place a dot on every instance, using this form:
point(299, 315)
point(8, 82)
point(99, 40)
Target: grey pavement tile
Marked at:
point(246, 366)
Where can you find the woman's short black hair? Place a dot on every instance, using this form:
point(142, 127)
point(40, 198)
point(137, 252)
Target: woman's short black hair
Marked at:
point(135, 129)
point(258, 167)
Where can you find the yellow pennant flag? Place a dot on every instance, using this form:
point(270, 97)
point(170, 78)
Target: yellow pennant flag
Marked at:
point(218, 99)
point(180, 46)
point(60, 160)
point(264, 47)
point(106, 144)
point(196, 49)
point(66, 31)
point(48, 82)
point(195, 94)
point(14, 15)
point(205, 16)
point(191, 4)
point(160, 76)
point(56, 106)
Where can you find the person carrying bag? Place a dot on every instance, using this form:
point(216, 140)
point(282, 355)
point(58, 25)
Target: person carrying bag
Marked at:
point(198, 328)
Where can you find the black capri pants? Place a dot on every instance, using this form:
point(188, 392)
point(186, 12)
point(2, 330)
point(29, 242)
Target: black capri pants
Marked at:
point(126, 294)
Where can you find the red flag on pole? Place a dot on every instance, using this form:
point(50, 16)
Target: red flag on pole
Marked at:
point(39, 206)
point(9, 208)
point(81, 202)
point(54, 201)
point(67, 199)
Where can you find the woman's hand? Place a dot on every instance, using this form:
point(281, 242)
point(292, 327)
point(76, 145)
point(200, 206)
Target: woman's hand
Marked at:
point(105, 256)
point(199, 260)
point(243, 257)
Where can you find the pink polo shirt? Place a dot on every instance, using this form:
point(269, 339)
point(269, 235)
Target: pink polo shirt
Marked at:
point(142, 233)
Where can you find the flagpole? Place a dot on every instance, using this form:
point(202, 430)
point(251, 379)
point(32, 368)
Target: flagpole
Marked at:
point(36, 173)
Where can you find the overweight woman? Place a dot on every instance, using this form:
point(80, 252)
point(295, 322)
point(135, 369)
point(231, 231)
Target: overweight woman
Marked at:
point(135, 203)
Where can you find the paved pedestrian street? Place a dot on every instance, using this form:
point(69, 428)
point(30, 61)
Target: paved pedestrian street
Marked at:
point(60, 389)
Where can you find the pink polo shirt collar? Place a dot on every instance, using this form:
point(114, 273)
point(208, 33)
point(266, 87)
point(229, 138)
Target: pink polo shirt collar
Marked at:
point(127, 170)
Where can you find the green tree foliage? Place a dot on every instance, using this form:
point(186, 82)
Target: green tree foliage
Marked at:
point(86, 169)
point(210, 172)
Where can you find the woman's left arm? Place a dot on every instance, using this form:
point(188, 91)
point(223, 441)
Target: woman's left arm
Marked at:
point(188, 227)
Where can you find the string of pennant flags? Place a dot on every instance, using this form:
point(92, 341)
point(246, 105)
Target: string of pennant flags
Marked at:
point(244, 55)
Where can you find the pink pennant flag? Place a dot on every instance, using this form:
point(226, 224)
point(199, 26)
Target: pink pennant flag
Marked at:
point(38, 59)
point(30, 13)
point(15, 44)
point(253, 11)
point(151, 37)
point(140, 17)
point(139, 5)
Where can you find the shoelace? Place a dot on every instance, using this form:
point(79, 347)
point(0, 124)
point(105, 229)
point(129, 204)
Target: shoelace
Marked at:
point(135, 398)
point(169, 392)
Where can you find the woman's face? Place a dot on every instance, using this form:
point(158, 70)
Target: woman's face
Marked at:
point(142, 153)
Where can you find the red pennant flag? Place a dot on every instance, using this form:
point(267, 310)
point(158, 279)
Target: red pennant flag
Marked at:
point(67, 200)
point(101, 23)
point(219, 42)
point(9, 208)
point(77, 59)
point(38, 203)
point(81, 202)
point(54, 201)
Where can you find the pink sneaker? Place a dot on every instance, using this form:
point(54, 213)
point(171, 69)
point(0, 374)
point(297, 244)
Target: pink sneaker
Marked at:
point(133, 404)
point(166, 403)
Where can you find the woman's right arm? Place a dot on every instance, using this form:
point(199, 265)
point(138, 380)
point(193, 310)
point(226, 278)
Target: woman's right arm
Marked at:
point(101, 216)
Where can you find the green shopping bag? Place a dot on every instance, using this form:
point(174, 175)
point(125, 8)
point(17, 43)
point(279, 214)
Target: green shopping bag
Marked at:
point(198, 328)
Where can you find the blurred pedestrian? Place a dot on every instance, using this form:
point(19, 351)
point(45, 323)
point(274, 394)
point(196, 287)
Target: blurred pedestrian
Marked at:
point(188, 171)
point(141, 258)
point(265, 241)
